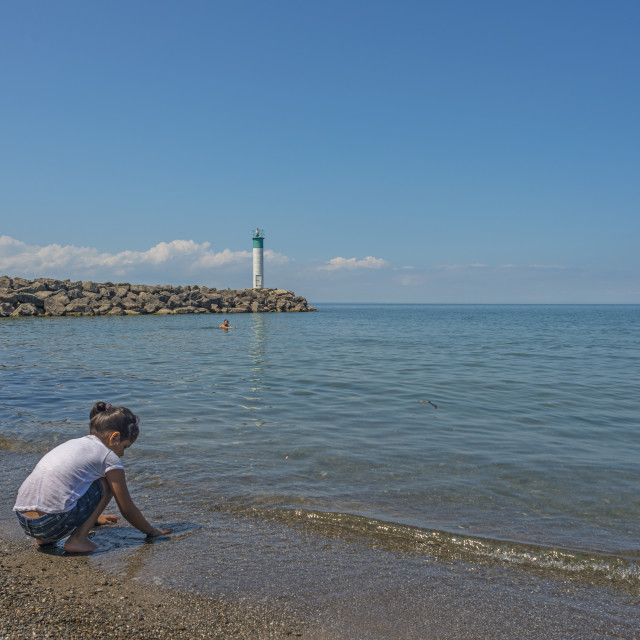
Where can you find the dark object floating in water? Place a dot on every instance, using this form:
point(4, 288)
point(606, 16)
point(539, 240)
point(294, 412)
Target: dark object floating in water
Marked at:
point(435, 406)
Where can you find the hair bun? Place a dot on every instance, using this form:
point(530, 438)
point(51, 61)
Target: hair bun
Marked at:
point(99, 407)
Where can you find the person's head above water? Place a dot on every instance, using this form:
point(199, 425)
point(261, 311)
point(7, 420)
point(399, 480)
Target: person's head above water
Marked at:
point(106, 419)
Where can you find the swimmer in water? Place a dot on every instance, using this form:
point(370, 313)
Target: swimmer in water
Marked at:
point(225, 325)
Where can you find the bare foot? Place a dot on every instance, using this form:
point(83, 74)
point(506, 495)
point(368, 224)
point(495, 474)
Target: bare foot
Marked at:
point(41, 542)
point(107, 519)
point(83, 545)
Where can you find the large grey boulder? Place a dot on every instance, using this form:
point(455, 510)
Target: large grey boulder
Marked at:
point(130, 302)
point(32, 287)
point(50, 283)
point(25, 309)
point(28, 298)
point(116, 311)
point(211, 302)
point(104, 308)
point(74, 292)
point(53, 306)
point(57, 300)
point(174, 301)
point(92, 287)
point(6, 309)
point(80, 306)
point(45, 294)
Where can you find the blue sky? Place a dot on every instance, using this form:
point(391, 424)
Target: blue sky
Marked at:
point(393, 151)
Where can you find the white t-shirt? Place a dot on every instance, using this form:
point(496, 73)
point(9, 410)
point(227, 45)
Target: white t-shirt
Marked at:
point(64, 474)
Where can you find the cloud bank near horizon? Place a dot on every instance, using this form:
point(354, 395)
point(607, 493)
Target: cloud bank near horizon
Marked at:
point(184, 258)
point(339, 279)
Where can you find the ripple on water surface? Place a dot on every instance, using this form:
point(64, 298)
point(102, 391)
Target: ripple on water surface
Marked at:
point(534, 438)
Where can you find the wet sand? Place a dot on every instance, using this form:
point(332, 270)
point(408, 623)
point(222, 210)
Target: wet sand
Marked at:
point(354, 592)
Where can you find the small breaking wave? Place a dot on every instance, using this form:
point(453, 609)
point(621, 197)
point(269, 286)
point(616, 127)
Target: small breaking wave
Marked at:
point(593, 566)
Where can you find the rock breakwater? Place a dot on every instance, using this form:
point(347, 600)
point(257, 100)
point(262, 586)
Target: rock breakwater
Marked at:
point(49, 297)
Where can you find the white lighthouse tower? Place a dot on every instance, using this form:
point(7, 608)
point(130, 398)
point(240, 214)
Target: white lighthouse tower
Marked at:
point(258, 259)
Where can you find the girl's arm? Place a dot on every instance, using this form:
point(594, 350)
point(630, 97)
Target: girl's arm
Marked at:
point(131, 513)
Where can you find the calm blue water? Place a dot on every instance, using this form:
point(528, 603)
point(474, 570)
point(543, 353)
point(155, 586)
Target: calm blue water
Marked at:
point(318, 417)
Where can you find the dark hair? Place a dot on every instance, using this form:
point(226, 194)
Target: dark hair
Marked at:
point(105, 419)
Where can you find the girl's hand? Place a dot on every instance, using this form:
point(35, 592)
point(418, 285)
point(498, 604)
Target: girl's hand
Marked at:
point(128, 509)
point(107, 519)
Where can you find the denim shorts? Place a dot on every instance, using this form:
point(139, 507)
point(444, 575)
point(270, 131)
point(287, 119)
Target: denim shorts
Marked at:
point(55, 526)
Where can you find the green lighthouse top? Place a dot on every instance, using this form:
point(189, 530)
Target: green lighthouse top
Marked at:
point(258, 237)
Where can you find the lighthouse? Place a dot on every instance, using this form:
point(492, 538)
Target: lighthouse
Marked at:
point(258, 259)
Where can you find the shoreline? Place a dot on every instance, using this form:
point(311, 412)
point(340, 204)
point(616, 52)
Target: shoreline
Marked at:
point(358, 593)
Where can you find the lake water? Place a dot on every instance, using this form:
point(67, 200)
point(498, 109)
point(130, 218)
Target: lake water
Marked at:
point(317, 422)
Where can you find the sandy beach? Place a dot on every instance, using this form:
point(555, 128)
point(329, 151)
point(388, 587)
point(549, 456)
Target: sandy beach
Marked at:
point(59, 596)
point(49, 596)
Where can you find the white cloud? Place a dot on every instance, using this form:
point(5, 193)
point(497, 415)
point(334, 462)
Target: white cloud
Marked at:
point(353, 263)
point(8, 245)
point(180, 256)
point(275, 258)
point(210, 259)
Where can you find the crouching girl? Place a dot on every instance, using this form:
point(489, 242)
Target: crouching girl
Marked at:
point(71, 486)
